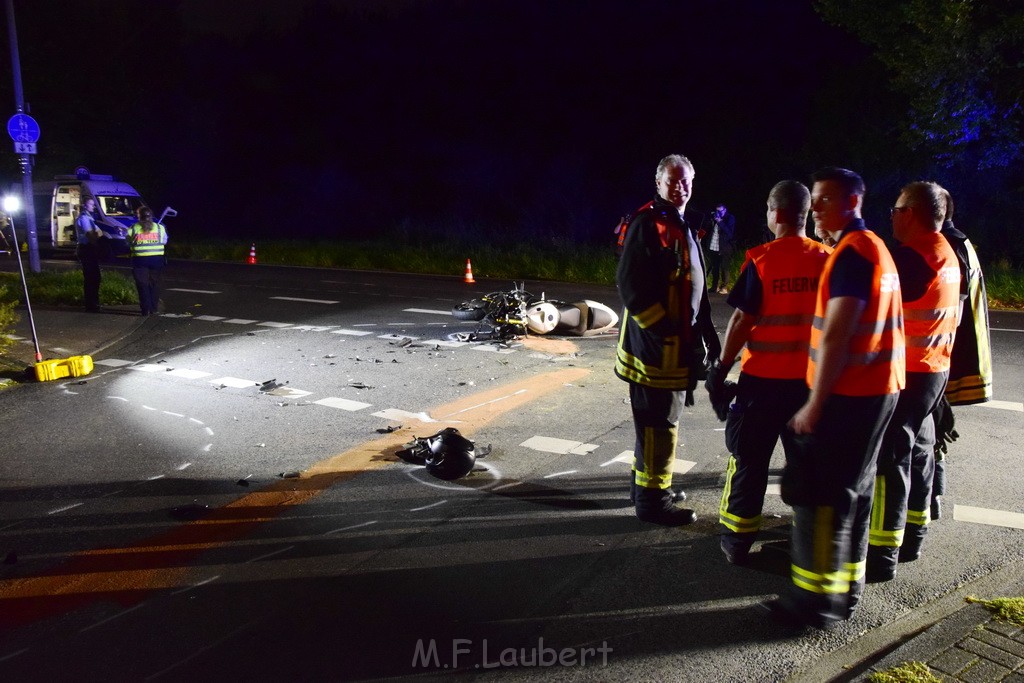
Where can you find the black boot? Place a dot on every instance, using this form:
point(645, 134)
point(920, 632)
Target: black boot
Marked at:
point(678, 495)
point(656, 506)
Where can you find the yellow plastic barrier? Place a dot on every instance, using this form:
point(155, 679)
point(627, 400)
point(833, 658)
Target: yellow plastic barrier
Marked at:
point(76, 366)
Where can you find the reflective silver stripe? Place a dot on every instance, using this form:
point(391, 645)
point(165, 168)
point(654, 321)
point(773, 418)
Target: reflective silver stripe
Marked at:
point(929, 313)
point(873, 327)
point(886, 356)
point(819, 322)
point(777, 346)
point(931, 341)
point(793, 319)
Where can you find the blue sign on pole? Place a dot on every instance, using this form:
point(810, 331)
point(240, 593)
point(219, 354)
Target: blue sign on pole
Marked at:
point(23, 128)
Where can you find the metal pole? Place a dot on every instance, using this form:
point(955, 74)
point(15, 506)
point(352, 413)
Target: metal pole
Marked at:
point(24, 286)
point(24, 159)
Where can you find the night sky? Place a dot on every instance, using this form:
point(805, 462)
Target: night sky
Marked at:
point(521, 120)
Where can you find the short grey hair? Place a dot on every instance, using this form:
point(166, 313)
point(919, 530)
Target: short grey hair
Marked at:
point(671, 161)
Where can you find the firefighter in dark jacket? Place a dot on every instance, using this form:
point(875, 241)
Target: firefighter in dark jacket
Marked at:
point(666, 325)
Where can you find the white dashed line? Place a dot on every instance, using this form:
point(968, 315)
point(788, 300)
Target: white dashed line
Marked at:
point(624, 456)
point(399, 415)
point(396, 337)
point(355, 333)
point(148, 367)
point(342, 403)
point(305, 301)
point(210, 318)
point(193, 291)
point(270, 323)
point(314, 328)
point(1003, 405)
point(560, 474)
point(444, 342)
point(196, 585)
point(167, 412)
point(155, 477)
point(425, 310)
point(233, 382)
point(966, 513)
point(547, 444)
point(263, 557)
point(427, 507)
point(64, 509)
point(349, 528)
point(189, 374)
point(4, 658)
point(240, 321)
point(507, 486)
point(112, 362)
point(183, 466)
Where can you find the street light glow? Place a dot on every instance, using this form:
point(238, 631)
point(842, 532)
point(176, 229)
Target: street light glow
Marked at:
point(11, 204)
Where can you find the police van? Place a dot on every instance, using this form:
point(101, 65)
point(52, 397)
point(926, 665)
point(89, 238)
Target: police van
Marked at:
point(58, 203)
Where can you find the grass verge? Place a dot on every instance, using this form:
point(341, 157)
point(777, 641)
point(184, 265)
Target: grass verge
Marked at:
point(1004, 609)
point(908, 672)
point(65, 288)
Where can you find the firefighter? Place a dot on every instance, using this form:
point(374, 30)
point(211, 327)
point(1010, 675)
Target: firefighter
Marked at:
point(930, 291)
point(667, 313)
point(855, 373)
point(970, 371)
point(774, 299)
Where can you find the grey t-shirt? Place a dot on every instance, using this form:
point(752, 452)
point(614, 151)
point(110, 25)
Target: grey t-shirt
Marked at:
point(696, 274)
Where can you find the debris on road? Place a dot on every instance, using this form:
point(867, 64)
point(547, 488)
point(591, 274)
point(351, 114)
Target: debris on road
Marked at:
point(389, 429)
point(359, 385)
point(447, 454)
point(290, 475)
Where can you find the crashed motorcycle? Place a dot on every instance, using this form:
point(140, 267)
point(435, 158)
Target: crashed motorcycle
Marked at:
point(516, 312)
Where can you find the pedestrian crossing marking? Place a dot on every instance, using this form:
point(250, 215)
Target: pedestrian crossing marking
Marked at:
point(189, 374)
point(148, 367)
point(966, 513)
point(357, 333)
point(113, 362)
point(624, 456)
point(314, 328)
point(342, 403)
point(304, 301)
point(399, 415)
point(1003, 405)
point(270, 323)
point(547, 444)
point(240, 321)
point(210, 318)
point(234, 382)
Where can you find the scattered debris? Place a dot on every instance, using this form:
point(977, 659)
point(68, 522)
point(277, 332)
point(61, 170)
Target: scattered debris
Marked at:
point(359, 385)
point(261, 445)
point(330, 355)
point(389, 429)
point(290, 475)
point(447, 454)
point(162, 360)
point(270, 385)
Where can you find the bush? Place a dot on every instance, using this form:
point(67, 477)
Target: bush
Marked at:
point(8, 318)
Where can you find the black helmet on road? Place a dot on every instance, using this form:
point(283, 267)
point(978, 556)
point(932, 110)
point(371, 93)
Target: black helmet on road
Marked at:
point(447, 455)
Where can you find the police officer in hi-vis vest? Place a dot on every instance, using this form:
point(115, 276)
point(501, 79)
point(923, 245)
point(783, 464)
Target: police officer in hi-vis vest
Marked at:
point(930, 290)
point(147, 239)
point(855, 372)
point(667, 316)
point(774, 298)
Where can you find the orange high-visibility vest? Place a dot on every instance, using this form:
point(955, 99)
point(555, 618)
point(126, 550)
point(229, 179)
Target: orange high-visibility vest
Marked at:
point(789, 269)
point(930, 322)
point(876, 364)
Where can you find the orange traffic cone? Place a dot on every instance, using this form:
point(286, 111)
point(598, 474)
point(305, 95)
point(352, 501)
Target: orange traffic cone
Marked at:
point(469, 272)
point(252, 255)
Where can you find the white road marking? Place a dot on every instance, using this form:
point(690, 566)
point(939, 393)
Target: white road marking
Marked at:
point(234, 382)
point(263, 557)
point(507, 486)
point(240, 321)
point(427, 507)
point(624, 456)
point(289, 392)
point(15, 337)
point(145, 407)
point(357, 333)
point(560, 474)
point(682, 466)
point(1003, 329)
point(1003, 405)
point(425, 310)
point(167, 412)
point(183, 466)
point(189, 374)
point(119, 398)
point(208, 431)
point(198, 422)
point(193, 291)
point(111, 618)
point(149, 367)
point(64, 509)
point(270, 323)
point(966, 513)
point(491, 348)
point(196, 585)
point(61, 350)
point(175, 315)
point(342, 403)
point(486, 403)
point(547, 444)
point(444, 342)
point(210, 318)
point(773, 489)
point(314, 328)
point(349, 528)
point(155, 477)
point(305, 301)
point(399, 415)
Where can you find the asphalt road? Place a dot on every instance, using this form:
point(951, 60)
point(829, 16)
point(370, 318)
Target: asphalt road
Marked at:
point(150, 535)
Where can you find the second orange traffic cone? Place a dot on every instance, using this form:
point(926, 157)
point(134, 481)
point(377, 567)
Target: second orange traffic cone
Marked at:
point(252, 255)
point(469, 272)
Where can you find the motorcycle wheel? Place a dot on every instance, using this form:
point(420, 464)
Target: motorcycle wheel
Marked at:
point(470, 310)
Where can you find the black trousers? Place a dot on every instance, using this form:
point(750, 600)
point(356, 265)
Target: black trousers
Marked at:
point(896, 465)
point(830, 537)
point(717, 269)
point(89, 256)
point(656, 415)
point(756, 422)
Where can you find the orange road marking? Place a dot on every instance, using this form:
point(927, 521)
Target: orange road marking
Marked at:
point(162, 561)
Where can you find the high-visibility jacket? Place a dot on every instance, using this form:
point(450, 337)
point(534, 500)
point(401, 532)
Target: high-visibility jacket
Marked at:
point(876, 362)
point(930, 321)
point(654, 281)
point(789, 269)
point(970, 372)
point(145, 243)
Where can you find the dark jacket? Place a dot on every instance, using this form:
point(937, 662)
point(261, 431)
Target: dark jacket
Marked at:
point(659, 346)
point(970, 372)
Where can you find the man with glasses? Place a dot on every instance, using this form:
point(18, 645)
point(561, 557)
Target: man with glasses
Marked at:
point(930, 291)
point(855, 373)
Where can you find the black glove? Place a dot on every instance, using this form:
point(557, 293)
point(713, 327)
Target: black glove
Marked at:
point(720, 391)
point(945, 427)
